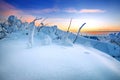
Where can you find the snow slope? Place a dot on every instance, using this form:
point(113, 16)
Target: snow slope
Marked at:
point(54, 62)
point(43, 35)
point(28, 52)
point(108, 48)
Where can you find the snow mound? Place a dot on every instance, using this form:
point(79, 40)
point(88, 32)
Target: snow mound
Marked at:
point(54, 62)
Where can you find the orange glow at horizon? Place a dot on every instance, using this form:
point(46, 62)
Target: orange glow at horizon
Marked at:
point(63, 24)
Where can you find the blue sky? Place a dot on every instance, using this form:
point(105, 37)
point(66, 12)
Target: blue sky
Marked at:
point(97, 13)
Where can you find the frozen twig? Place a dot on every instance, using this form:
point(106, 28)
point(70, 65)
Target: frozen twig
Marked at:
point(78, 33)
point(69, 25)
point(42, 24)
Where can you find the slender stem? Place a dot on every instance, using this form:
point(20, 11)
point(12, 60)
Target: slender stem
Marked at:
point(78, 32)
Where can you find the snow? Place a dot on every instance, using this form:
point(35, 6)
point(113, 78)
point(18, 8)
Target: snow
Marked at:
point(55, 62)
point(108, 48)
point(28, 52)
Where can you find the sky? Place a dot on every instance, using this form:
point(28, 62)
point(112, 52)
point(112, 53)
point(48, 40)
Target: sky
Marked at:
point(99, 15)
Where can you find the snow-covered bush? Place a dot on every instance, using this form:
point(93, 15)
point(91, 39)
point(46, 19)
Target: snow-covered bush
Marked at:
point(3, 31)
point(14, 24)
point(115, 38)
point(19, 24)
point(12, 20)
point(2, 34)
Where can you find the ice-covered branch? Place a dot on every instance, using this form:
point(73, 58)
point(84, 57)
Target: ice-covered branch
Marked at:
point(31, 31)
point(42, 24)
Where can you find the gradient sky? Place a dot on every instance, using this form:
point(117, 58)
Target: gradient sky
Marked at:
point(100, 15)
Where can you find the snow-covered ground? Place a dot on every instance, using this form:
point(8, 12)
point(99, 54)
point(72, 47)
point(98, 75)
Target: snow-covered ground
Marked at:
point(107, 47)
point(48, 53)
point(54, 62)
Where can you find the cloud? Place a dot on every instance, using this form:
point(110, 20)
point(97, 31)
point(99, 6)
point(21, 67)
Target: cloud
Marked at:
point(5, 6)
point(8, 9)
point(92, 11)
point(73, 10)
point(43, 11)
